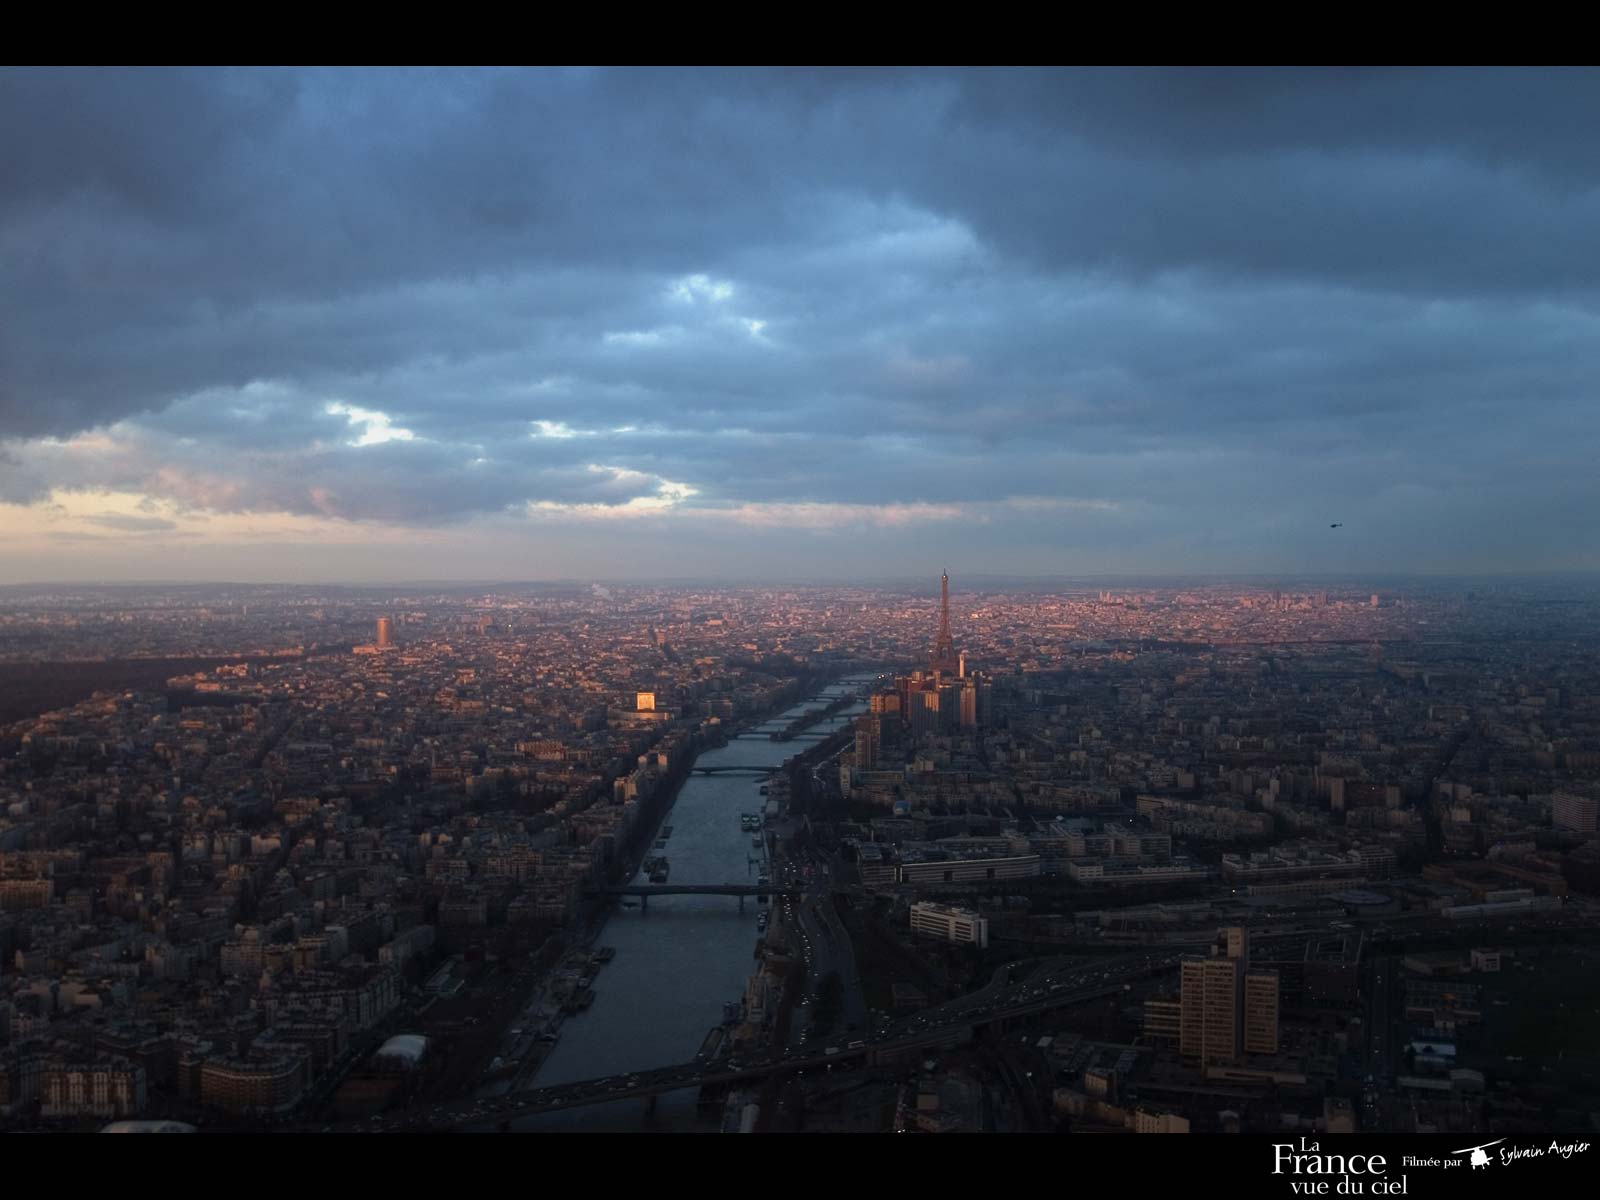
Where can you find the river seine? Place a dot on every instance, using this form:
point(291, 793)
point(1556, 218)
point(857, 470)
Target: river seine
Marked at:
point(681, 960)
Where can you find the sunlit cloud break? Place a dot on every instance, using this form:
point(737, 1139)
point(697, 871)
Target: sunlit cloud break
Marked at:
point(1115, 320)
point(377, 428)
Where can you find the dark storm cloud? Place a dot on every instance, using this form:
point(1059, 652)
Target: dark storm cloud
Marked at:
point(1190, 297)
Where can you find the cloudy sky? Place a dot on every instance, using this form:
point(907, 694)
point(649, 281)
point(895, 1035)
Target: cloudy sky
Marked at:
point(361, 326)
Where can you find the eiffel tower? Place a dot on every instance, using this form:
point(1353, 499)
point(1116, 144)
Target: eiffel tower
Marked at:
point(944, 646)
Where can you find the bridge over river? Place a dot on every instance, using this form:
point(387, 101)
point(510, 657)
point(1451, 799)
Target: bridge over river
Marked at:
point(1054, 984)
point(646, 890)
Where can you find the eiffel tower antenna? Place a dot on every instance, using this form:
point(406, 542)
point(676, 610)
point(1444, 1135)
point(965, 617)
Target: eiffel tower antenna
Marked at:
point(944, 646)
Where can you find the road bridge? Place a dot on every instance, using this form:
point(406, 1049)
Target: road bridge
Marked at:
point(993, 1006)
point(644, 891)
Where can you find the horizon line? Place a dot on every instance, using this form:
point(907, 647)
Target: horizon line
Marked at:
point(864, 581)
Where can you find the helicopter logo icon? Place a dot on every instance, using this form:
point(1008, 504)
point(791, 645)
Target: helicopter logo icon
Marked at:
point(1479, 1158)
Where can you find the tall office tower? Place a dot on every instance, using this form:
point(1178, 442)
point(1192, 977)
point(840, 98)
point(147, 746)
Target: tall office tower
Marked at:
point(907, 687)
point(1209, 1021)
point(944, 646)
point(385, 633)
point(1260, 1012)
point(1227, 1009)
point(1233, 939)
point(1576, 808)
point(866, 741)
point(924, 715)
point(961, 665)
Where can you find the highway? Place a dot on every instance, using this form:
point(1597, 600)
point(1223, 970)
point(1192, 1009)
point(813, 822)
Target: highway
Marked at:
point(825, 947)
point(1380, 983)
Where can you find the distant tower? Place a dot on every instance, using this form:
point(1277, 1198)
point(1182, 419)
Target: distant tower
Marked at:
point(944, 647)
point(385, 633)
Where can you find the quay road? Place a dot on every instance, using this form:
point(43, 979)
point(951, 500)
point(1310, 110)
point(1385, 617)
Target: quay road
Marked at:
point(825, 949)
point(1045, 985)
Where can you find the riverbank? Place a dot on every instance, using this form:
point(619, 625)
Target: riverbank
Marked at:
point(686, 957)
point(594, 918)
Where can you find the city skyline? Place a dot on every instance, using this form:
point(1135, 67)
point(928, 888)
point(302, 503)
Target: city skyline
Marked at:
point(1075, 860)
point(888, 600)
point(369, 326)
